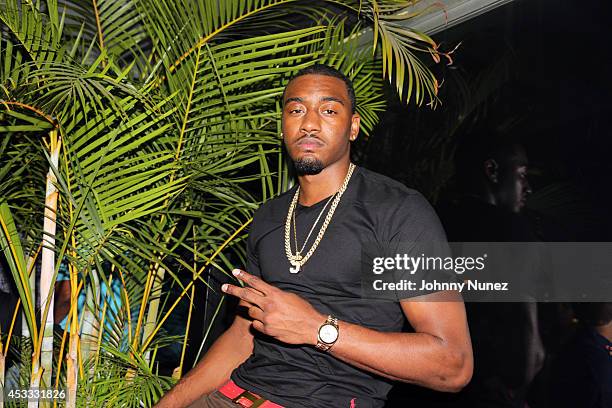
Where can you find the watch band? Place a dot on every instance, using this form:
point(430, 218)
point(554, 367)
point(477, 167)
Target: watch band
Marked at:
point(321, 345)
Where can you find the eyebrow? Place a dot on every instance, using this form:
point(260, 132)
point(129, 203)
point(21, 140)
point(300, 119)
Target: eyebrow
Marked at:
point(293, 99)
point(332, 99)
point(324, 99)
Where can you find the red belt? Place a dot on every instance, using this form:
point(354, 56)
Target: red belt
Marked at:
point(245, 398)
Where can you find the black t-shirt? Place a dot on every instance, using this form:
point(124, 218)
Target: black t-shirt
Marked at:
point(374, 208)
point(582, 374)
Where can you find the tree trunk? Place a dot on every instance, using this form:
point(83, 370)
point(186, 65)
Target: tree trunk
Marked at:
point(153, 308)
point(47, 271)
point(73, 342)
point(71, 364)
point(89, 329)
point(35, 378)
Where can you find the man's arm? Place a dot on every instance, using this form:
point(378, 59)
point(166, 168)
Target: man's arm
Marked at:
point(533, 343)
point(230, 350)
point(438, 355)
point(525, 352)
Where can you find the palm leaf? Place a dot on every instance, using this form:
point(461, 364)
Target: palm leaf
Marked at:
point(10, 244)
point(37, 33)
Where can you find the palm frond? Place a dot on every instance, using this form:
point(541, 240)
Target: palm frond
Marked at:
point(111, 386)
point(38, 34)
point(10, 244)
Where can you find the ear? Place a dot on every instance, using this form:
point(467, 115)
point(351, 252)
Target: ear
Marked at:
point(491, 170)
point(355, 122)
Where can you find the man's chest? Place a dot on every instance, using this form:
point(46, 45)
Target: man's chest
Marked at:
point(335, 266)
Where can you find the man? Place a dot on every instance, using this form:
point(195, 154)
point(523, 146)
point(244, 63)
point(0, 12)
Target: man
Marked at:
point(307, 337)
point(492, 175)
point(582, 374)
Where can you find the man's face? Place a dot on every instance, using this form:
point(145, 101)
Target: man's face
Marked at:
point(513, 186)
point(318, 123)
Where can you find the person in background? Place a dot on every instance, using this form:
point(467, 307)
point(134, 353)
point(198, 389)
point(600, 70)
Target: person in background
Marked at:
point(508, 351)
point(582, 374)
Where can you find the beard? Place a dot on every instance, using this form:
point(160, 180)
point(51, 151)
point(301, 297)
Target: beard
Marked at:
point(308, 166)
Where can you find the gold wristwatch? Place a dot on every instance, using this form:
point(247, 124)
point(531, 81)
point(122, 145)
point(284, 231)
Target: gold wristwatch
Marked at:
point(328, 333)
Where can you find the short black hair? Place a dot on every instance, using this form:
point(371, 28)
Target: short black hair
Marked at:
point(326, 70)
point(479, 146)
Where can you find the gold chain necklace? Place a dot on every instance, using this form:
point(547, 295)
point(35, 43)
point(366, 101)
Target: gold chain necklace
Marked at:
point(298, 251)
point(297, 260)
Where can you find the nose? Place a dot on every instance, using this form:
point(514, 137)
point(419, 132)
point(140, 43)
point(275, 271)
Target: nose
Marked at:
point(310, 122)
point(527, 187)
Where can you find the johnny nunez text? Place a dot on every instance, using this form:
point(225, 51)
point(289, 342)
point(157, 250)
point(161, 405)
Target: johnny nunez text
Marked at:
point(469, 285)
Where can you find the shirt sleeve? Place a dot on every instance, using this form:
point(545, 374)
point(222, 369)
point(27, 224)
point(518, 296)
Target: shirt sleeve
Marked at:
point(420, 241)
point(416, 221)
point(252, 254)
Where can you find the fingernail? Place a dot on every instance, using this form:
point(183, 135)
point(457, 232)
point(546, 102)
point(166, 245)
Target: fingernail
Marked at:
point(224, 287)
point(236, 272)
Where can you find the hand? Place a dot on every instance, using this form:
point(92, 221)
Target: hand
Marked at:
point(277, 313)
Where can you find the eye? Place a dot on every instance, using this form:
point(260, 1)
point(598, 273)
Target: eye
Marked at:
point(329, 111)
point(296, 110)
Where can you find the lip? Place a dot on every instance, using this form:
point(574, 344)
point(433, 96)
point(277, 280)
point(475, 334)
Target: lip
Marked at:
point(309, 143)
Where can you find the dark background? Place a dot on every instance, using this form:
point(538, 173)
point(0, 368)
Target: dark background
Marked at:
point(538, 70)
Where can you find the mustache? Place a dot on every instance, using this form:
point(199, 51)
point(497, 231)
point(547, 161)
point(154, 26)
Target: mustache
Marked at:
point(309, 137)
point(306, 135)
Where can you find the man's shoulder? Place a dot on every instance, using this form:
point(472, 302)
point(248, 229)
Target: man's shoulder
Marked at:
point(280, 202)
point(399, 209)
point(273, 212)
point(383, 190)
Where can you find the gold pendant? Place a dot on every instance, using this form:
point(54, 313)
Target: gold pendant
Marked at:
point(295, 268)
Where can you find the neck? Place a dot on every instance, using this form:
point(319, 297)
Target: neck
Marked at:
point(487, 196)
point(605, 330)
point(319, 186)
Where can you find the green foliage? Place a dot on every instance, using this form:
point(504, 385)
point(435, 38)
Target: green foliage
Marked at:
point(168, 116)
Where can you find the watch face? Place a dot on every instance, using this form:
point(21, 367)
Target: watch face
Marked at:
point(328, 333)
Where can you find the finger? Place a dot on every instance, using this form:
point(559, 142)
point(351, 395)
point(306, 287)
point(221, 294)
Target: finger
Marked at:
point(255, 291)
point(256, 313)
point(259, 326)
point(245, 294)
point(244, 306)
point(252, 281)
